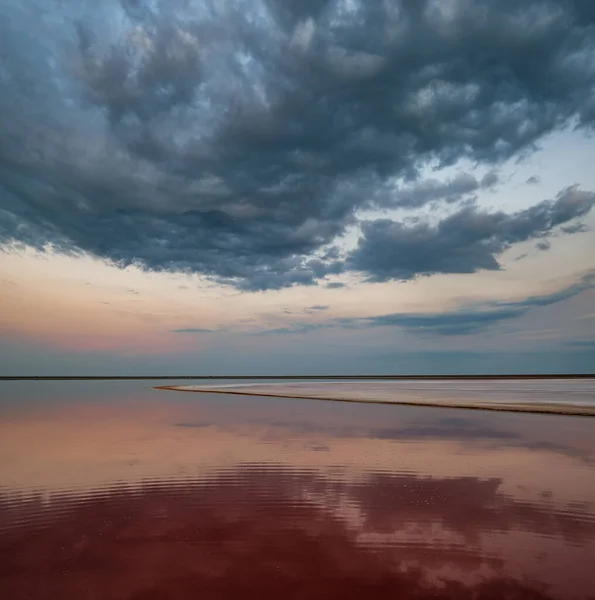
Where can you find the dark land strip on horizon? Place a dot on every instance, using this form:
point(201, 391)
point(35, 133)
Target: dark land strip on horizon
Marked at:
point(294, 377)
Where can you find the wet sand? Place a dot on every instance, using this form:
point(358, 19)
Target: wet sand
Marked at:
point(115, 491)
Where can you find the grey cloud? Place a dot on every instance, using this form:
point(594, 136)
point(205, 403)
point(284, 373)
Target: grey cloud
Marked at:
point(481, 316)
point(450, 323)
point(586, 282)
point(543, 245)
point(309, 310)
point(533, 180)
point(238, 140)
point(466, 320)
point(197, 330)
point(467, 241)
point(431, 190)
point(141, 76)
point(575, 228)
point(334, 285)
point(462, 187)
point(490, 179)
point(295, 328)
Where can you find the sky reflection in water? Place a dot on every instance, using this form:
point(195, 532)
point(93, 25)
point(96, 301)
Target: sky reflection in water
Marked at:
point(115, 491)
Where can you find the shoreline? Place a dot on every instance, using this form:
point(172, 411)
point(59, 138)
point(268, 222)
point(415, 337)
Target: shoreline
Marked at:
point(556, 409)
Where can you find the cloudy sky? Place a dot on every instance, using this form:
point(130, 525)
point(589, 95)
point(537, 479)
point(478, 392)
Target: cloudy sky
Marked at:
point(218, 186)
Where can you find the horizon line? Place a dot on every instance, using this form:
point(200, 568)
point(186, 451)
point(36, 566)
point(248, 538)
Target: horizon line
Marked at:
point(345, 377)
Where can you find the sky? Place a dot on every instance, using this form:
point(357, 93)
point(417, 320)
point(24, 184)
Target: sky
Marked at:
point(297, 186)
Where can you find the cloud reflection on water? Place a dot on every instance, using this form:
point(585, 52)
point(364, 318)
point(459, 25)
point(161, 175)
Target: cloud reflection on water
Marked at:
point(257, 531)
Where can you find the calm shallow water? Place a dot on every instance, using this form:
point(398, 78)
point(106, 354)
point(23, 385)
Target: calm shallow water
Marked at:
point(118, 491)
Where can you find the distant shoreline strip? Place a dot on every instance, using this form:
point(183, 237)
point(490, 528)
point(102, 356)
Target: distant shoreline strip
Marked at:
point(556, 409)
point(294, 377)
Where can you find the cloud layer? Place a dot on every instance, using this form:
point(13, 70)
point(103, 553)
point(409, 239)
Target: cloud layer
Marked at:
point(240, 140)
point(464, 242)
point(469, 319)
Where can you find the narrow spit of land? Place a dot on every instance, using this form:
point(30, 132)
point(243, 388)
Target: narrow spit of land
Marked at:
point(571, 399)
point(294, 377)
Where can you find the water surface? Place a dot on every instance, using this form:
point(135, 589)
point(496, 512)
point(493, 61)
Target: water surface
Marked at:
point(113, 490)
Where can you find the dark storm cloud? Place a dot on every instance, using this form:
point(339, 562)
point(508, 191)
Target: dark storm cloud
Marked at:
point(431, 190)
point(467, 241)
point(238, 140)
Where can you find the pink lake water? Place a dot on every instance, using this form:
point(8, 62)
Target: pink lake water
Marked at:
point(114, 490)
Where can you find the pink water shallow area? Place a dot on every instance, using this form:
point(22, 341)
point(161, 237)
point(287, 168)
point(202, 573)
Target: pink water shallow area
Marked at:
point(118, 491)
